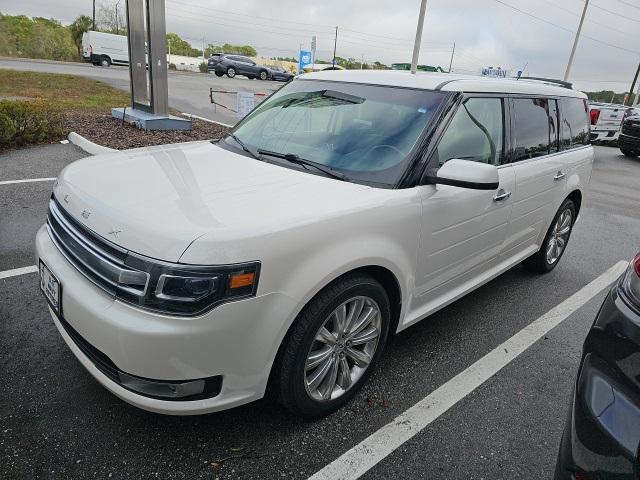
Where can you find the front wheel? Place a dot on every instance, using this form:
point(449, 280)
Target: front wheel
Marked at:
point(231, 72)
point(264, 75)
point(105, 62)
point(333, 346)
point(555, 242)
point(219, 74)
point(628, 153)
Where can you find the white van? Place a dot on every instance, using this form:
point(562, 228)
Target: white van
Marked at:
point(346, 207)
point(105, 49)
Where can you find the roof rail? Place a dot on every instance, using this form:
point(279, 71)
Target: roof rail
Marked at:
point(554, 81)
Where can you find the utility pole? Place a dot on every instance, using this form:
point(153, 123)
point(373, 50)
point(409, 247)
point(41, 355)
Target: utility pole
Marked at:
point(169, 51)
point(117, 29)
point(335, 44)
point(453, 50)
point(361, 61)
point(637, 100)
point(575, 41)
point(633, 86)
point(203, 44)
point(94, 15)
point(416, 45)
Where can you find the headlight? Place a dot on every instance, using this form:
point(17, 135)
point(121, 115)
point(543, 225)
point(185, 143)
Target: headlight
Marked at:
point(185, 289)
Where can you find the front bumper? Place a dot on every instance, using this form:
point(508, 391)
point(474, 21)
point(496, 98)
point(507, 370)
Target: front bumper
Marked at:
point(602, 434)
point(236, 342)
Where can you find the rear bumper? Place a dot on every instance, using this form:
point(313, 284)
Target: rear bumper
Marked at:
point(605, 135)
point(602, 433)
point(631, 143)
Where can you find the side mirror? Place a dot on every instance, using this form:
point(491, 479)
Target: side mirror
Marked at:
point(467, 174)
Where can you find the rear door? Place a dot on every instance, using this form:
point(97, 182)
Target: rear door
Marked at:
point(540, 173)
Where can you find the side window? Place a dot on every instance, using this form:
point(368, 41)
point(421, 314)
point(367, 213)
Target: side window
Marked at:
point(554, 125)
point(475, 133)
point(532, 125)
point(575, 122)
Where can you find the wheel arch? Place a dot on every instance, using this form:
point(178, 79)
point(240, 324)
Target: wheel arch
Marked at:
point(576, 197)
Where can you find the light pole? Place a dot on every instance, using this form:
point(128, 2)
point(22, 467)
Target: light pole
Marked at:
point(94, 15)
point(335, 44)
point(575, 41)
point(416, 45)
point(117, 29)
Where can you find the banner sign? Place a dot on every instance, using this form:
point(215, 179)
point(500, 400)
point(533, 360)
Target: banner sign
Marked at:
point(306, 60)
point(494, 72)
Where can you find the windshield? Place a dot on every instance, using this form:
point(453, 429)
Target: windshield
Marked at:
point(363, 131)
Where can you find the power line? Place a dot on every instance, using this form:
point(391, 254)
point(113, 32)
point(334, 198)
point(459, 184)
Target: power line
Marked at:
point(617, 14)
point(629, 4)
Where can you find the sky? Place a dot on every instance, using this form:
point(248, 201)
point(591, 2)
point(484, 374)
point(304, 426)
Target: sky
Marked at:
point(531, 35)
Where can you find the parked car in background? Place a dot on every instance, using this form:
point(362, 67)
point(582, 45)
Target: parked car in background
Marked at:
point(232, 65)
point(606, 120)
point(629, 139)
point(602, 433)
point(105, 49)
point(280, 74)
point(396, 194)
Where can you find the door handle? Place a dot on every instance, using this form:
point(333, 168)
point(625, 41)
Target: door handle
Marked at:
point(501, 195)
point(559, 175)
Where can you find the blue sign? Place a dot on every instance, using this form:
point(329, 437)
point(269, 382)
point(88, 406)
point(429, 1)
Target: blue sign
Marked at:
point(306, 59)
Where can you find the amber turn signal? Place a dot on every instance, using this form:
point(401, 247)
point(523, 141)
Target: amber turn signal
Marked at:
point(241, 280)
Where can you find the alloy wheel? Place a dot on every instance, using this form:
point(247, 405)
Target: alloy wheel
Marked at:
point(559, 236)
point(343, 348)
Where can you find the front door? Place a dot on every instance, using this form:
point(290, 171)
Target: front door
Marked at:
point(463, 230)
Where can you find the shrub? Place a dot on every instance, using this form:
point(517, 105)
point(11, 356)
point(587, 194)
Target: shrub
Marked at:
point(172, 66)
point(25, 122)
point(204, 68)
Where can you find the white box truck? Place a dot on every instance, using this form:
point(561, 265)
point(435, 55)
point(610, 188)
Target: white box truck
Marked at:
point(105, 49)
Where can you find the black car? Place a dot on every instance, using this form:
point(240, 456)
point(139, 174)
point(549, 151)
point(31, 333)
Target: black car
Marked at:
point(232, 65)
point(602, 434)
point(629, 139)
point(279, 73)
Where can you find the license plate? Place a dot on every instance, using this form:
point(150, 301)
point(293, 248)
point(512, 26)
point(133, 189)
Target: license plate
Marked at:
point(50, 286)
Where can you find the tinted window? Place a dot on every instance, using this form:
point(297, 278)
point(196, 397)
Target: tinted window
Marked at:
point(475, 132)
point(575, 122)
point(532, 125)
point(365, 131)
point(554, 125)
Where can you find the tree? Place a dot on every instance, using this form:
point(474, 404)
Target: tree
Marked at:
point(178, 46)
point(79, 26)
point(246, 50)
point(111, 17)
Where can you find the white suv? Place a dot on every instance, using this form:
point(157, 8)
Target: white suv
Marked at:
point(346, 207)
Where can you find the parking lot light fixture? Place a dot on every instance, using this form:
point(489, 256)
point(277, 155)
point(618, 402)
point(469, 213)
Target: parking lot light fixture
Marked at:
point(416, 45)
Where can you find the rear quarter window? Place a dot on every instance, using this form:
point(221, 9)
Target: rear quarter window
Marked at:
point(575, 122)
point(532, 127)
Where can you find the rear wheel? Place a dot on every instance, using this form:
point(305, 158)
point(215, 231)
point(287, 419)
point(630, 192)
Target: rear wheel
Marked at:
point(332, 347)
point(219, 74)
point(105, 61)
point(556, 240)
point(231, 72)
point(628, 153)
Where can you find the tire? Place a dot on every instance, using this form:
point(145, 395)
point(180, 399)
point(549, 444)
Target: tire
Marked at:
point(541, 262)
point(628, 153)
point(105, 61)
point(290, 379)
point(219, 74)
point(263, 75)
point(250, 77)
point(231, 72)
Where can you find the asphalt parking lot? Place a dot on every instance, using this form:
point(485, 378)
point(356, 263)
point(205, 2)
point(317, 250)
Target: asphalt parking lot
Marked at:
point(56, 421)
point(188, 91)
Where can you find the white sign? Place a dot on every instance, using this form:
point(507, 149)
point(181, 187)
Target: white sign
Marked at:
point(495, 72)
point(245, 101)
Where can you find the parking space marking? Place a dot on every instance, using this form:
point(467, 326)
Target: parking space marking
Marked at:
point(373, 449)
point(18, 271)
point(28, 180)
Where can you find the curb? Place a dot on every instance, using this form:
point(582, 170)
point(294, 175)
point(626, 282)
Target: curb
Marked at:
point(197, 117)
point(87, 145)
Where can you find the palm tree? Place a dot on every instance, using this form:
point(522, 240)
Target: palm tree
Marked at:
point(79, 26)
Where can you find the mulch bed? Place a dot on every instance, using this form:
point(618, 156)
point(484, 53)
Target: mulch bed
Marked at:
point(107, 131)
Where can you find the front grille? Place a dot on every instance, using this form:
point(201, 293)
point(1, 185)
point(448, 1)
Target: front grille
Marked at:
point(631, 128)
point(96, 258)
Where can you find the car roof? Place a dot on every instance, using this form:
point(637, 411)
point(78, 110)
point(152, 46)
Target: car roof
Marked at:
point(448, 82)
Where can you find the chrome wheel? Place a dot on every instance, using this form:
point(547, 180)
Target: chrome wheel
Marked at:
point(343, 348)
point(559, 236)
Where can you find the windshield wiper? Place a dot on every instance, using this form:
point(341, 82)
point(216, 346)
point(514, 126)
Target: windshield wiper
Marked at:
point(255, 154)
point(293, 158)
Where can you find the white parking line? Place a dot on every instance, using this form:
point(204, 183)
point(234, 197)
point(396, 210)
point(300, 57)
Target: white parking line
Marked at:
point(28, 180)
point(376, 447)
point(18, 271)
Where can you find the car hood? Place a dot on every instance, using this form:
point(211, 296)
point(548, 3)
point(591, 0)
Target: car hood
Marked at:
point(157, 200)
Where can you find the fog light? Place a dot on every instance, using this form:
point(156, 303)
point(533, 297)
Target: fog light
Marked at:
point(155, 388)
